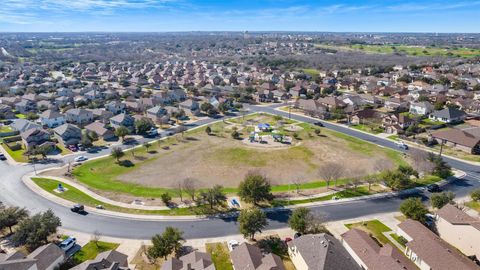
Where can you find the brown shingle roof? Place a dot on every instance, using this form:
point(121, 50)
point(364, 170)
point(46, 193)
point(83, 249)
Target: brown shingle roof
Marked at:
point(374, 256)
point(457, 136)
point(430, 248)
point(456, 216)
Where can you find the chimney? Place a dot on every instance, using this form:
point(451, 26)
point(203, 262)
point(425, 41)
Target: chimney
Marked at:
point(189, 266)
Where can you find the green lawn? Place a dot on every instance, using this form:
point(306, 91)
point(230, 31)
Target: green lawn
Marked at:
point(16, 155)
point(367, 128)
point(399, 239)
point(344, 194)
point(418, 50)
point(5, 129)
point(77, 196)
point(374, 227)
point(102, 174)
point(393, 137)
point(20, 116)
point(91, 250)
point(474, 205)
point(220, 255)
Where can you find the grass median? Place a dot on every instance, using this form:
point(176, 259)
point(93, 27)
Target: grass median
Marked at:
point(76, 196)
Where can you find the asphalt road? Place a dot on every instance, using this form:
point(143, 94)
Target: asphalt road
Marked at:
point(14, 192)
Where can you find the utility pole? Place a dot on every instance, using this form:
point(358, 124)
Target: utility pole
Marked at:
point(441, 148)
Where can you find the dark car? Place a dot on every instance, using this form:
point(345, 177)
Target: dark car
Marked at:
point(78, 208)
point(433, 188)
point(2, 157)
point(318, 124)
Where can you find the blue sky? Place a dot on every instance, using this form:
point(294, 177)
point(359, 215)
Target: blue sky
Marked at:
point(238, 15)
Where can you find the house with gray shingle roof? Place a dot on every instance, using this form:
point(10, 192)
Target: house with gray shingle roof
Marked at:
point(192, 261)
point(448, 115)
point(46, 257)
point(250, 257)
point(68, 134)
point(320, 252)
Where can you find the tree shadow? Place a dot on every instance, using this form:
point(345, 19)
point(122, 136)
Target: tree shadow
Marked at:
point(152, 152)
point(191, 139)
point(126, 163)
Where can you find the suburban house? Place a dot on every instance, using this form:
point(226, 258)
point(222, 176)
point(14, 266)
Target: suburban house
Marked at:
point(6, 112)
point(421, 108)
point(47, 257)
point(192, 261)
point(250, 257)
point(395, 123)
point(79, 116)
point(365, 116)
point(115, 107)
point(68, 134)
point(370, 256)
point(312, 108)
point(428, 251)
point(459, 229)
point(25, 106)
point(51, 119)
point(108, 260)
point(34, 137)
point(123, 119)
point(158, 114)
point(320, 252)
point(22, 125)
point(101, 115)
point(190, 106)
point(466, 140)
point(100, 129)
point(448, 115)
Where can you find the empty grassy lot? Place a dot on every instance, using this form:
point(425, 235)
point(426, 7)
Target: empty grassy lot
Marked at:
point(219, 159)
point(375, 227)
point(91, 250)
point(220, 255)
point(409, 50)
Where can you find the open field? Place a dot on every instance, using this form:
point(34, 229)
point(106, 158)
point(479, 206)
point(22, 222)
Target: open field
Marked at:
point(409, 50)
point(219, 159)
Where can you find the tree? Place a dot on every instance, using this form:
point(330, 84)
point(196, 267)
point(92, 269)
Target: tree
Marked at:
point(331, 171)
point(117, 153)
point(11, 216)
point(318, 131)
point(300, 220)
point(255, 188)
point(190, 187)
point(251, 221)
point(439, 200)
point(396, 179)
point(475, 195)
point(121, 132)
point(206, 107)
point(169, 241)
point(96, 237)
point(235, 135)
point(414, 208)
point(143, 125)
point(370, 180)
point(34, 231)
point(223, 107)
point(214, 196)
point(181, 129)
point(146, 145)
point(441, 168)
point(208, 130)
point(166, 198)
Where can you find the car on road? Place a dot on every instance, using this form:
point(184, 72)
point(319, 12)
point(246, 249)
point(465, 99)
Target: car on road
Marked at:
point(78, 208)
point(67, 244)
point(401, 145)
point(433, 188)
point(80, 158)
point(2, 157)
point(232, 244)
point(320, 124)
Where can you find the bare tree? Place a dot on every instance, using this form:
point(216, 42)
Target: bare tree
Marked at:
point(370, 180)
point(96, 237)
point(297, 182)
point(331, 171)
point(178, 190)
point(190, 187)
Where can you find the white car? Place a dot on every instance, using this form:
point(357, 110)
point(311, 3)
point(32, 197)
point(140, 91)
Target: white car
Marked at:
point(232, 244)
point(80, 158)
point(68, 243)
point(402, 145)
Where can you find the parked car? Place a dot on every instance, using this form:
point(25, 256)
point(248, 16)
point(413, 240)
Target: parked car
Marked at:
point(73, 148)
point(2, 157)
point(80, 158)
point(67, 244)
point(288, 239)
point(320, 124)
point(78, 208)
point(433, 188)
point(232, 244)
point(429, 220)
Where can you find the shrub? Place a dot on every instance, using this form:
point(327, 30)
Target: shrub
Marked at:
point(475, 195)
